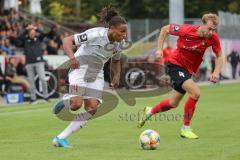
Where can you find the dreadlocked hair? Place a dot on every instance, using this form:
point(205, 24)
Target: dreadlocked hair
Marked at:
point(110, 16)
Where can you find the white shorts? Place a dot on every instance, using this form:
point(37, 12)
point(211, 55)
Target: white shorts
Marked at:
point(79, 86)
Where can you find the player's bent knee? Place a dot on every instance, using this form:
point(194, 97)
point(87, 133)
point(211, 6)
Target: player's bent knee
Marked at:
point(76, 103)
point(91, 109)
point(91, 105)
point(75, 108)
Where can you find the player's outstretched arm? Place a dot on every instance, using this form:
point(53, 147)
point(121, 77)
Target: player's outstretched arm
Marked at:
point(67, 46)
point(161, 38)
point(116, 69)
point(214, 77)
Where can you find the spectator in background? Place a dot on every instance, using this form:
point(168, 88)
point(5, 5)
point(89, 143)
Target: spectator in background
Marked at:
point(13, 38)
point(54, 35)
point(11, 74)
point(32, 39)
point(60, 47)
point(38, 23)
point(5, 49)
point(13, 17)
point(1, 81)
point(21, 68)
point(3, 34)
point(9, 45)
point(233, 58)
point(52, 48)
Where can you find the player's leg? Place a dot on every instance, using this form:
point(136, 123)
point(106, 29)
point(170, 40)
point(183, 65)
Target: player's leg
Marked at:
point(31, 74)
point(72, 103)
point(92, 98)
point(42, 77)
point(91, 104)
point(74, 99)
point(177, 75)
point(169, 103)
point(77, 123)
point(164, 105)
point(82, 118)
point(194, 93)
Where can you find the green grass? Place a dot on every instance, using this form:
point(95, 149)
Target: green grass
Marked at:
point(26, 132)
point(140, 49)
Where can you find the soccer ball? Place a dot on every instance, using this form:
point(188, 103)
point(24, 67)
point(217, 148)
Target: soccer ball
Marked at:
point(149, 139)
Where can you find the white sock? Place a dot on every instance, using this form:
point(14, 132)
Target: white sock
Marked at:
point(185, 127)
point(78, 122)
point(149, 112)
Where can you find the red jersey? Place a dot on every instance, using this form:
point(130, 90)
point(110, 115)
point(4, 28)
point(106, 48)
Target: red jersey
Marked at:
point(166, 53)
point(191, 47)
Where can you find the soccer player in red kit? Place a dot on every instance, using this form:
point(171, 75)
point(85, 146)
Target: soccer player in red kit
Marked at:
point(192, 42)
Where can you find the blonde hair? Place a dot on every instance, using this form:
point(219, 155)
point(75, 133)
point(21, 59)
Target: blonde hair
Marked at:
point(212, 17)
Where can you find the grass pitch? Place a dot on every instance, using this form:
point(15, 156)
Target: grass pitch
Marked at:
point(26, 131)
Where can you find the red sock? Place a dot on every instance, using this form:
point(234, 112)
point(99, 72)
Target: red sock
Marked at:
point(163, 106)
point(189, 109)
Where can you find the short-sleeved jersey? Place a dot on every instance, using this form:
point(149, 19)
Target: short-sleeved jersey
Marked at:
point(95, 42)
point(191, 47)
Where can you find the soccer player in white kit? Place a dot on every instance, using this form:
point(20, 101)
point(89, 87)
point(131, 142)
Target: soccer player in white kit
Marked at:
point(86, 80)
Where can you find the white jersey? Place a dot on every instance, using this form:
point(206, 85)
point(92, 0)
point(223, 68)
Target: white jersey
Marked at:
point(95, 42)
point(95, 49)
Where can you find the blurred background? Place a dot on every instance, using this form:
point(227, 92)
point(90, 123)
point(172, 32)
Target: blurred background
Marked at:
point(27, 124)
point(57, 19)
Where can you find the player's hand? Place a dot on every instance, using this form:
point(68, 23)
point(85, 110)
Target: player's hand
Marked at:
point(74, 63)
point(214, 77)
point(29, 27)
point(159, 54)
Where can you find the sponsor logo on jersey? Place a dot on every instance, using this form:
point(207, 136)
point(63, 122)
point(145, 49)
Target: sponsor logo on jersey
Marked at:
point(82, 38)
point(203, 43)
point(175, 28)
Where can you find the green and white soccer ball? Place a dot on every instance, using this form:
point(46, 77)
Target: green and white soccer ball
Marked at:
point(149, 139)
